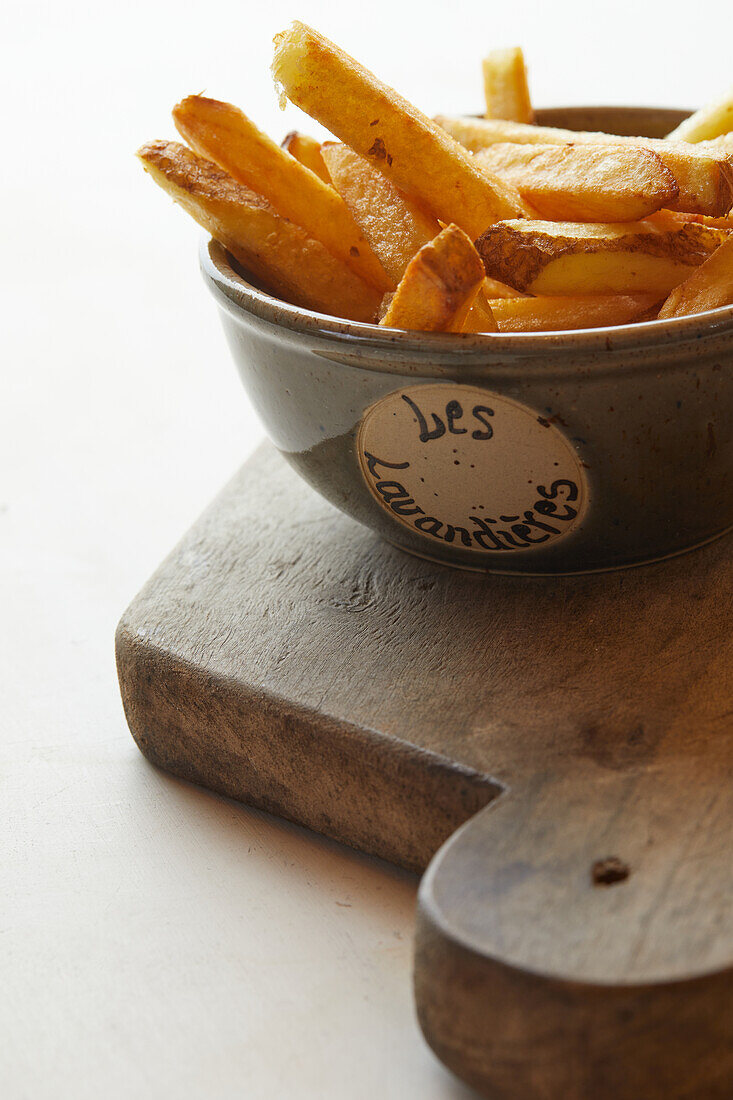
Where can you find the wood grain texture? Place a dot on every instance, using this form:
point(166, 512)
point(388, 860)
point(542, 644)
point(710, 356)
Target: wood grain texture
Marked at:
point(285, 656)
point(252, 661)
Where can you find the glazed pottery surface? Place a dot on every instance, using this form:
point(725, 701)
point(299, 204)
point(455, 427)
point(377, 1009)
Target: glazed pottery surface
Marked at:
point(530, 453)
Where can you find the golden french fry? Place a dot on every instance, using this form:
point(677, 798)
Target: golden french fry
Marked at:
point(709, 286)
point(439, 286)
point(505, 86)
point(225, 135)
point(584, 183)
point(703, 173)
point(722, 145)
point(384, 305)
point(277, 252)
point(711, 121)
point(411, 150)
point(395, 227)
point(308, 151)
point(726, 224)
point(480, 317)
point(492, 288)
point(551, 258)
point(545, 314)
point(670, 216)
point(480, 133)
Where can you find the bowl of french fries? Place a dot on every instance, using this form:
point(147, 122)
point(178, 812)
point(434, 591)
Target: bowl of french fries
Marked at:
point(503, 342)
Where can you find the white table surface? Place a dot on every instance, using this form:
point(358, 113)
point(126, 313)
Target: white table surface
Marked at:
point(157, 941)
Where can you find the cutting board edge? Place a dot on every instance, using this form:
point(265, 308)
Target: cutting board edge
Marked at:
point(316, 770)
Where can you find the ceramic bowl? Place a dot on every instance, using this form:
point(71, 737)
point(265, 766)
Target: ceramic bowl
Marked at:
point(530, 453)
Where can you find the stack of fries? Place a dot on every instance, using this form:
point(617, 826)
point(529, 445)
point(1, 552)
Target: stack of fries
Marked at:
point(456, 224)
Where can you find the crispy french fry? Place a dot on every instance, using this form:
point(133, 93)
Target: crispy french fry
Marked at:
point(614, 183)
point(551, 258)
point(480, 317)
point(714, 147)
point(308, 151)
point(709, 122)
point(439, 286)
point(545, 314)
point(478, 133)
point(725, 224)
point(492, 288)
point(275, 250)
point(673, 218)
point(395, 227)
point(384, 305)
point(703, 173)
point(222, 133)
point(505, 86)
point(411, 150)
point(709, 286)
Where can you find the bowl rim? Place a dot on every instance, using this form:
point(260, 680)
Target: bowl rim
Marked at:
point(244, 299)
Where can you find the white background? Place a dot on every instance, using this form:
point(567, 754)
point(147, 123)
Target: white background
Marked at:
point(156, 941)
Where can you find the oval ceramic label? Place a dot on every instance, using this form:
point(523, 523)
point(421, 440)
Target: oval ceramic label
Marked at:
point(461, 465)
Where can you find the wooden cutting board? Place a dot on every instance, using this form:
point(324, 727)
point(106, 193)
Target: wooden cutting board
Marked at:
point(575, 935)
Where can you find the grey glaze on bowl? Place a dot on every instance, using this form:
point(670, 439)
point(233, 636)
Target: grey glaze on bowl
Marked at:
point(528, 453)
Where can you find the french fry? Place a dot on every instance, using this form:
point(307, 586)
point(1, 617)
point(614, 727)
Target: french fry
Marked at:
point(712, 223)
point(505, 86)
point(670, 220)
point(411, 150)
point(584, 183)
point(715, 146)
point(550, 258)
point(709, 122)
point(307, 150)
point(709, 286)
point(223, 134)
point(479, 133)
point(277, 252)
point(571, 230)
point(384, 305)
point(439, 285)
point(545, 314)
point(703, 173)
point(395, 227)
point(492, 288)
point(480, 317)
